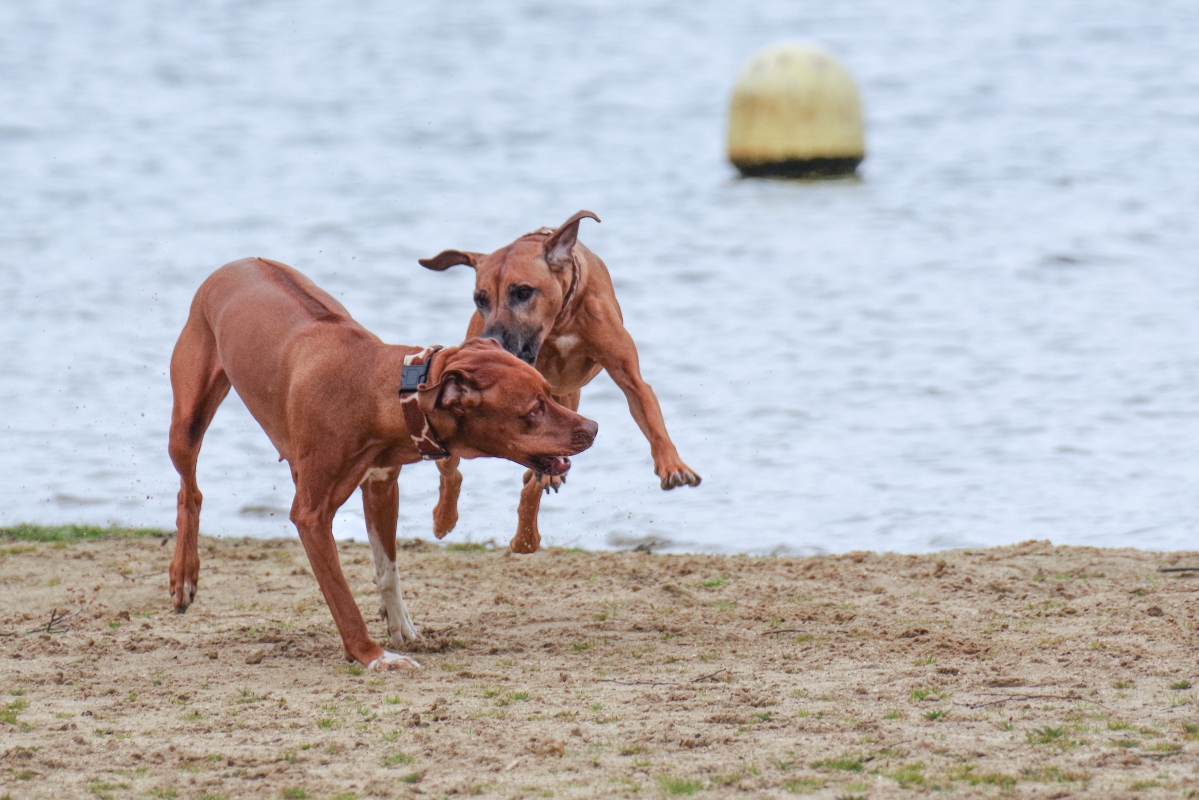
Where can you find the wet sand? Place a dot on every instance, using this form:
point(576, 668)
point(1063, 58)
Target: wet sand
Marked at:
point(1022, 671)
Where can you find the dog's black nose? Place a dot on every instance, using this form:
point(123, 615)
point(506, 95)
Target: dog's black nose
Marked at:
point(585, 437)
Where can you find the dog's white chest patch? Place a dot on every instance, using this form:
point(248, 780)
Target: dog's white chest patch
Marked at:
point(564, 344)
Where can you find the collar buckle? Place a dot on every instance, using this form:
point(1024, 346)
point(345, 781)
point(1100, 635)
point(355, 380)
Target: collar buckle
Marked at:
point(412, 376)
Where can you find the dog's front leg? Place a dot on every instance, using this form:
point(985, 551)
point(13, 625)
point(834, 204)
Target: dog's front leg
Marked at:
point(622, 364)
point(528, 537)
point(381, 505)
point(314, 521)
point(445, 513)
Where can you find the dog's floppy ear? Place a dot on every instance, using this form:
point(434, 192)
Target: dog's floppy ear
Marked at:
point(458, 395)
point(562, 241)
point(449, 258)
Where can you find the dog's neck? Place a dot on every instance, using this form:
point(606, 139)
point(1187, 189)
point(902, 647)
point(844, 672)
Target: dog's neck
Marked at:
point(576, 279)
point(422, 373)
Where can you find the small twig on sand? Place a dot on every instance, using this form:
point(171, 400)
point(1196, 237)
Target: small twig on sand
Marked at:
point(639, 683)
point(1018, 698)
point(662, 683)
point(1178, 569)
point(56, 621)
point(887, 747)
point(784, 630)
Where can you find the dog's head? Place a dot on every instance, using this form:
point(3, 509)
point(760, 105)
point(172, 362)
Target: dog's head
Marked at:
point(520, 289)
point(486, 402)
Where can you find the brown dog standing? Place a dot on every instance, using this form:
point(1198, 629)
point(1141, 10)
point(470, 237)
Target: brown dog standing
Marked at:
point(549, 300)
point(327, 393)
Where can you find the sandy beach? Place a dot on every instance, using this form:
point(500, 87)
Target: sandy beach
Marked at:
point(1022, 671)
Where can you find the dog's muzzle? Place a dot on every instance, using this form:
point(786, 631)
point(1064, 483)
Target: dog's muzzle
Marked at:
point(525, 345)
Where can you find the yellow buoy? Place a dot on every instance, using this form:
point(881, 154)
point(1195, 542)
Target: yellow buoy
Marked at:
point(795, 114)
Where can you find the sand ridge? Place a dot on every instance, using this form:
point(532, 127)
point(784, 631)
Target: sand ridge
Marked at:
point(1022, 671)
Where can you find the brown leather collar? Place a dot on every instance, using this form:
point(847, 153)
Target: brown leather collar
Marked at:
point(413, 378)
point(570, 290)
point(575, 269)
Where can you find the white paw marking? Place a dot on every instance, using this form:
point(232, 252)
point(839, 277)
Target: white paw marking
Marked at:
point(390, 660)
point(400, 628)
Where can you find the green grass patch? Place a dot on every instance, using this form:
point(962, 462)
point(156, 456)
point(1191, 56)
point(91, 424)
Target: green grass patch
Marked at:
point(76, 533)
point(936, 714)
point(413, 777)
point(1180, 685)
point(673, 785)
point(294, 793)
point(10, 711)
point(101, 788)
point(1045, 735)
point(1054, 775)
point(847, 763)
point(909, 775)
point(397, 758)
point(973, 778)
point(469, 547)
point(512, 697)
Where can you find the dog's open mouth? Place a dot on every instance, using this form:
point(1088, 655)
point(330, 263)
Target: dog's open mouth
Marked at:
point(550, 465)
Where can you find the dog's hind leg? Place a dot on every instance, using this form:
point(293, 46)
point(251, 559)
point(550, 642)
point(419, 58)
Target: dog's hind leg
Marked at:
point(445, 513)
point(199, 384)
point(381, 506)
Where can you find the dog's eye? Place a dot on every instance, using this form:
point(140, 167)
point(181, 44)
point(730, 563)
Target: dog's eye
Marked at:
point(537, 411)
point(521, 293)
point(481, 301)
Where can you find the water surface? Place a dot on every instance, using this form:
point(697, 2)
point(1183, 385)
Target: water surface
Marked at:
point(992, 336)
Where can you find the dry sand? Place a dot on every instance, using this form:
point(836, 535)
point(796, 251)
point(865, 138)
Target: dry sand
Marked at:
point(1023, 671)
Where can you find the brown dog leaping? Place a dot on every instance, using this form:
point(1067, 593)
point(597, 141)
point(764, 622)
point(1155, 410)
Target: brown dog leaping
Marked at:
point(549, 300)
point(346, 410)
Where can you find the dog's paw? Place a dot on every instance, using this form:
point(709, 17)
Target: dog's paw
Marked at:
point(445, 517)
point(183, 596)
point(393, 661)
point(546, 482)
point(525, 545)
point(678, 474)
point(402, 630)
